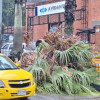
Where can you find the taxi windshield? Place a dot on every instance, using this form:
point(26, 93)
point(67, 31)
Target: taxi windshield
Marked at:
point(6, 64)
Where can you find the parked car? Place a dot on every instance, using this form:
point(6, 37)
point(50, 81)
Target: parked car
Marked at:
point(7, 48)
point(14, 81)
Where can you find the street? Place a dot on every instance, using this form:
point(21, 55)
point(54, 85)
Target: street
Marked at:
point(62, 97)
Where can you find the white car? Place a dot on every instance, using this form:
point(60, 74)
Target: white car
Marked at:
point(6, 48)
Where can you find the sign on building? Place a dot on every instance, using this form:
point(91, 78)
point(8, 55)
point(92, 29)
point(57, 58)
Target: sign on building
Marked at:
point(48, 9)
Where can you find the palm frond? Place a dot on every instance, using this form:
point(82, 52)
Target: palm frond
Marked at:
point(41, 46)
point(74, 83)
point(91, 72)
point(50, 88)
point(62, 80)
point(87, 90)
point(38, 73)
point(28, 68)
point(81, 77)
point(79, 88)
point(41, 63)
point(38, 69)
point(76, 53)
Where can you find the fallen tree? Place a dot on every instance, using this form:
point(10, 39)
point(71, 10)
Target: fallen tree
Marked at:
point(63, 65)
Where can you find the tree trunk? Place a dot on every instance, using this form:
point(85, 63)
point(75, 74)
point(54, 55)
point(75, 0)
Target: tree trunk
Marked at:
point(17, 46)
point(70, 6)
point(68, 29)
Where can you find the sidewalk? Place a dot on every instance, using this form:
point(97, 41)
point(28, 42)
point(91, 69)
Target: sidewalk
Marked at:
point(63, 97)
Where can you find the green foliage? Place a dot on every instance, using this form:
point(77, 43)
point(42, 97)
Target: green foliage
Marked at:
point(9, 12)
point(92, 73)
point(38, 69)
point(50, 88)
point(76, 53)
point(74, 83)
point(41, 46)
point(80, 77)
point(41, 62)
point(63, 81)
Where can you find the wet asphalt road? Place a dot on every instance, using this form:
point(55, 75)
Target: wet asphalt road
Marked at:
point(60, 97)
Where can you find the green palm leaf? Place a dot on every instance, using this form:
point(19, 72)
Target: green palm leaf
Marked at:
point(76, 53)
point(50, 88)
point(38, 69)
point(41, 46)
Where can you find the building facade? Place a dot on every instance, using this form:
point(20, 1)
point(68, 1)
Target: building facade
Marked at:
point(87, 18)
point(42, 23)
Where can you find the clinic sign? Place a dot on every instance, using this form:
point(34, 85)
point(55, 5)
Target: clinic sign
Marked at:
point(48, 9)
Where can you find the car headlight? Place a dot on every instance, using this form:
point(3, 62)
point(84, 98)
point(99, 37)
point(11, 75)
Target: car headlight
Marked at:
point(1, 84)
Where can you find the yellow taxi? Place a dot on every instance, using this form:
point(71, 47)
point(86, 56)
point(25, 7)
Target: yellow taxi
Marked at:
point(14, 81)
